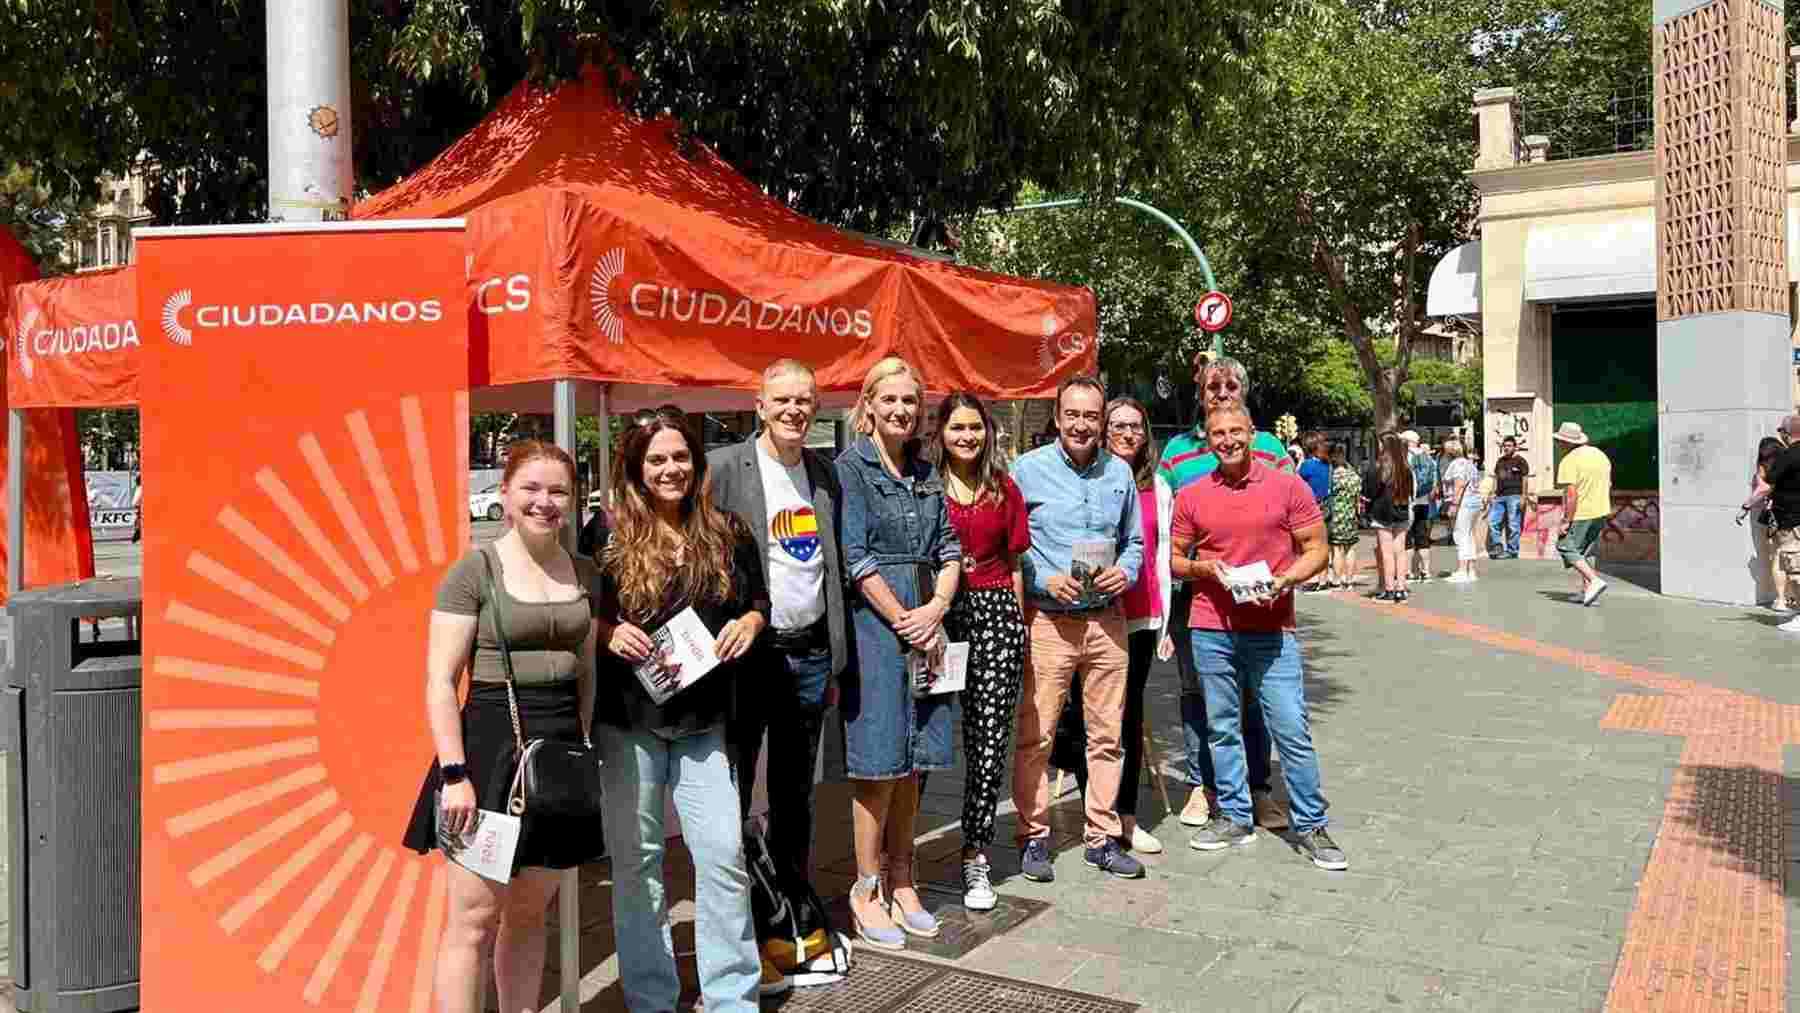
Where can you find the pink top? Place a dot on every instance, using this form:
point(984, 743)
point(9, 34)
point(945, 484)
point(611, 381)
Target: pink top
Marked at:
point(1142, 600)
point(1240, 524)
point(992, 535)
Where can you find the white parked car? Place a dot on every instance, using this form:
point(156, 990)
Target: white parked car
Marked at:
point(486, 504)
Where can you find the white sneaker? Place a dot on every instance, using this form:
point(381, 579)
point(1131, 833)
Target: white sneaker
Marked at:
point(1593, 592)
point(978, 893)
point(1791, 626)
point(1143, 842)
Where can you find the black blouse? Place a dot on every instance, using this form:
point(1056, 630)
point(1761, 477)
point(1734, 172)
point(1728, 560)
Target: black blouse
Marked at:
point(622, 702)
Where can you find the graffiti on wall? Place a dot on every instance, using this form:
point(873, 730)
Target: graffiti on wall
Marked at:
point(1633, 534)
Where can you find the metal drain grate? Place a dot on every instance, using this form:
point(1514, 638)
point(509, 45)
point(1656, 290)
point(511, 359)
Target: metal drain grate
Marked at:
point(886, 983)
point(959, 929)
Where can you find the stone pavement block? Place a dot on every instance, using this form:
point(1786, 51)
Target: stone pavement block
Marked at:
point(1387, 915)
point(1499, 897)
point(1119, 903)
point(1412, 986)
point(1296, 875)
point(1027, 959)
point(1491, 963)
point(1589, 944)
point(1145, 945)
point(1184, 990)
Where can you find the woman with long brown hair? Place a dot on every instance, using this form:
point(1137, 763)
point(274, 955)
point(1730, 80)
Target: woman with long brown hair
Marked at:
point(1388, 486)
point(670, 551)
point(989, 613)
point(526, 586)
point(902, 556)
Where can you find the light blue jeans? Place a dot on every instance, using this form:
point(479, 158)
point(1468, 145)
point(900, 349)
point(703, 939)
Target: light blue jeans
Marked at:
point(1506, 519)
point(696, 770)
point(1261, 667)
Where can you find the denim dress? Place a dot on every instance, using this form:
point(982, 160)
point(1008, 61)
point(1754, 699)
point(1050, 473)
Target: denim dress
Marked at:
point(891, 526)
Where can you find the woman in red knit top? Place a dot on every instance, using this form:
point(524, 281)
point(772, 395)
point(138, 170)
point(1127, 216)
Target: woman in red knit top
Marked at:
point(989, 517)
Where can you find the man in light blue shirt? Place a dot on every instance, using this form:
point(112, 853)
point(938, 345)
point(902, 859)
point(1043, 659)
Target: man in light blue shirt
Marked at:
point(1087, 546)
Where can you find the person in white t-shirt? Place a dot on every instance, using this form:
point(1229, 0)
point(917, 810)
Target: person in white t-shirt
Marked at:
point(789, 496)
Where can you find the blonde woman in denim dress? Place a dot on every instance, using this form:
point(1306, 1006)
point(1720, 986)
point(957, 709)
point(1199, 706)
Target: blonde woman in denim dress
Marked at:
point(903, 560)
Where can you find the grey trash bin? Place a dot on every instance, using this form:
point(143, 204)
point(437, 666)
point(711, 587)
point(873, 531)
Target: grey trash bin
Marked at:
point(70, 720)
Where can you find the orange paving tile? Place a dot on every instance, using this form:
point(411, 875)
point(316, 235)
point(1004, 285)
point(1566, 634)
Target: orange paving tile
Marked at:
point(1708, 931)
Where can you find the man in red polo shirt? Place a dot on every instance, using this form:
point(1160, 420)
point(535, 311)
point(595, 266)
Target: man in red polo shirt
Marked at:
point(1246, 536)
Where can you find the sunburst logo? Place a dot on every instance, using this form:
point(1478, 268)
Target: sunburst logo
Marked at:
point(608, 268)
point(24, 339)
point(1053, 349)
point(266, 806)
point(171, 317)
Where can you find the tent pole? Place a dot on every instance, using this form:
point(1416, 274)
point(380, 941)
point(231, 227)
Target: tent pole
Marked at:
point(15, 501)
point(568, 896)
point(603, 478)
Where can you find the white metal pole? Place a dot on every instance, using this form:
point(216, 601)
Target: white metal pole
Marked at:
point(310, 173)
point(15, 501)
point(568, 897)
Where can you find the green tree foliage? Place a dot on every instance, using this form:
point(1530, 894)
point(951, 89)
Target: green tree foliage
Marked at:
point(44, 222)
point(858, 112)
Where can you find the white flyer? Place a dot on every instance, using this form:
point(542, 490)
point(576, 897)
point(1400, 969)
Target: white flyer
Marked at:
point(487, 850)
point(681, 653)
point(1250, 582)
point(945, 671)
point(1086, 560)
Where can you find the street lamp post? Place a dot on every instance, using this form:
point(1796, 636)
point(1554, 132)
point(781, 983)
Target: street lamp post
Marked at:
point(1206, 271)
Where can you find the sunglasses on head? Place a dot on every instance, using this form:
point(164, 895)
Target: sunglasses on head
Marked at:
point(666, 413)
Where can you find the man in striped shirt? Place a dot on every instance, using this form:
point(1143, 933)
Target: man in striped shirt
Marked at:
point(1186, 459)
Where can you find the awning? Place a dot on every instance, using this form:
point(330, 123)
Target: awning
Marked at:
point(1591, 260)
point(1455, 289)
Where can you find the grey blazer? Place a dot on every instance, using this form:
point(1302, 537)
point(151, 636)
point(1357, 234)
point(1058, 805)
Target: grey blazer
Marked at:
point(737, 488)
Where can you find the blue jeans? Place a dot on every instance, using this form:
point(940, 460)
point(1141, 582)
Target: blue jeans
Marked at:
point(1193, 718)
point(1264, 668)
point(1506, 519)
point(640, 764)
point(788, 704)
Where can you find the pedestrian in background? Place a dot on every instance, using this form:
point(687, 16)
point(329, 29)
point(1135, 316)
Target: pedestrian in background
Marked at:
point(1387, 486)
point(1342, 506)
point(1585, 476)
point(1762, 528)
point(672, 550)
point(1315, 471)
point(1506, 519)
point(988, 515)
point(1461, 489)
point(902, 557)
point(1423, 465)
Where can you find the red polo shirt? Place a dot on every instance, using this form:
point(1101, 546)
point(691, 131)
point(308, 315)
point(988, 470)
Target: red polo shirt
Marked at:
point(1240, 524)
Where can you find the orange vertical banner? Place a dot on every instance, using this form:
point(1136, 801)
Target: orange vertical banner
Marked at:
point(59, 544)
point(305, 417)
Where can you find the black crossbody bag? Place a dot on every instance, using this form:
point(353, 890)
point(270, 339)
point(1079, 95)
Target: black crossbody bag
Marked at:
point(551, 776)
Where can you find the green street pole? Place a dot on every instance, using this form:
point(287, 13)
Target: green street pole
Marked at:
point(1206, 271)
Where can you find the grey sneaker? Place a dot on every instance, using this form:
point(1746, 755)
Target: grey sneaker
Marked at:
point(1323, 851)
point(1110, 858)
point(1034, 861)
point(1220, 833)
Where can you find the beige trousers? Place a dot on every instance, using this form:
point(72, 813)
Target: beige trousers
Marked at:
point(1059, 646)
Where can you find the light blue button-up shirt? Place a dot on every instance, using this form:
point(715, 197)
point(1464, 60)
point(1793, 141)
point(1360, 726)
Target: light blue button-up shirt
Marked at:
point(1066, 505)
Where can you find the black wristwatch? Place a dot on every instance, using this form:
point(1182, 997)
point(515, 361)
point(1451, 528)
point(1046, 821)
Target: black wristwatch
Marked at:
point(454, 773)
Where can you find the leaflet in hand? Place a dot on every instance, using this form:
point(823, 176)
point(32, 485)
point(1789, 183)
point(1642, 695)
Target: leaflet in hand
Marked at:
point(1086, 560)
point(487, 849)
point(945, 671)
point(682, 652)
point(1248, 583)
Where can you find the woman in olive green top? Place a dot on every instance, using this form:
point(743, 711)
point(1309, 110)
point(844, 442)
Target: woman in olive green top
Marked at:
point(546, 611)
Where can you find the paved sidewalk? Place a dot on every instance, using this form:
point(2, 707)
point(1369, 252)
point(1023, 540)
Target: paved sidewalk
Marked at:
point(1546, 808)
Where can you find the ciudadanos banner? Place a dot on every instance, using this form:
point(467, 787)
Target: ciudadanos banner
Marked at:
point(75, 342)
point(305, 432)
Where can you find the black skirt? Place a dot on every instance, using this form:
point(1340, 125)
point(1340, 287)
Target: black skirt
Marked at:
point(545, 712)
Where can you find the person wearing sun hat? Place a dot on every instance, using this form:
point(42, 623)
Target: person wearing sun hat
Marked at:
point(1585, 476)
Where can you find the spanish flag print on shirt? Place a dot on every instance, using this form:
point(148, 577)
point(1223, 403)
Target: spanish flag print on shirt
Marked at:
point(796, 560)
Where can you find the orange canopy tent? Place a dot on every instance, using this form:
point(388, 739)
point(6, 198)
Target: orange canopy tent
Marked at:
point(605, 247)
point(45, 507)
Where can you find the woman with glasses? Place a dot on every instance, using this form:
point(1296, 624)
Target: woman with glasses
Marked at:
point(902, 556)
point(988, 515)
point(1146, 605)
point(670, 551)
